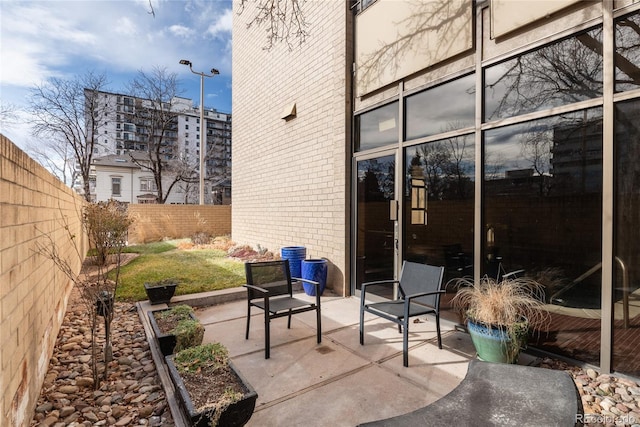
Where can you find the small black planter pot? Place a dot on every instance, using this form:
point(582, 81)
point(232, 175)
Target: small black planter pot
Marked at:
point(166, 341)
point(104, 303)
point(160, 293)
point(235, 415)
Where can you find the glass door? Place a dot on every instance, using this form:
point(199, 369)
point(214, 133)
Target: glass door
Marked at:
point(376, 222)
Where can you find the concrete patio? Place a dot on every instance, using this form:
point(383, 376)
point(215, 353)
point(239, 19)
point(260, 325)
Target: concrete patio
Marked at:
point(338, 382)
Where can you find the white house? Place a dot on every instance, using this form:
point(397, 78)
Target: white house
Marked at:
point(118, 177)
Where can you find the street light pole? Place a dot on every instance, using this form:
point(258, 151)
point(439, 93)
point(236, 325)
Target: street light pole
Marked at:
point(203, 128)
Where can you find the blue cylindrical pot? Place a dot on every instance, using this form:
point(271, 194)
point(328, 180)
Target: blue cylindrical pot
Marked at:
point(316, 270)
point(295, 255)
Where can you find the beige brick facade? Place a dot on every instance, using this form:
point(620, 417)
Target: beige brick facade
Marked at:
point(290, 176)
point(33, 292)
point(155, 222)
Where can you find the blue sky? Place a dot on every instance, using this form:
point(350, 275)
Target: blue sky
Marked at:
point(54, 38)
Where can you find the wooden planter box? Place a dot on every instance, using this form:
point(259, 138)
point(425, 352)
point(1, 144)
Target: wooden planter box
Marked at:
point(160, 293)
point(236, 414)
point(166, 341)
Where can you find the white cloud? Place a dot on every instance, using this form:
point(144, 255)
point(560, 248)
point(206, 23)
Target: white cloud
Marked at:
point(125, 26)
point(223, 25)
point(181, 31)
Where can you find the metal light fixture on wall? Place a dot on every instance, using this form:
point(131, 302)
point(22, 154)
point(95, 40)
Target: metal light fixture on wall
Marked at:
point(203, 130)
point(418, 201)
point(418, 196)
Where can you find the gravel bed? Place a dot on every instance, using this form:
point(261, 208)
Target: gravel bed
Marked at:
point(132, 395)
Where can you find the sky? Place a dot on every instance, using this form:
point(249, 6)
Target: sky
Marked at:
point(66, 39)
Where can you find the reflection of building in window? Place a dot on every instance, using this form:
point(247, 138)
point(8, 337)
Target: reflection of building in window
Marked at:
point(115, 186)
point(148, 184)
point(577, 157)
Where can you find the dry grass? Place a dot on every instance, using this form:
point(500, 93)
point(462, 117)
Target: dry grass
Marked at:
point(502, 303)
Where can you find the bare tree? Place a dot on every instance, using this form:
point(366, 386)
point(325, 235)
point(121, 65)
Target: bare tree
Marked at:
point(106, 225)
point(156, 120)
point(284, 20)
point(57, 157)
point(8, 116)
point(70, 111)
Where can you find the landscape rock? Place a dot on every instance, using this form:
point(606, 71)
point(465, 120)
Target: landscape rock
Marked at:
point(68, 398)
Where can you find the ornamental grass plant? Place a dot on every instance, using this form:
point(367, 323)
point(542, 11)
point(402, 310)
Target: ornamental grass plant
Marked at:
point(502, 303)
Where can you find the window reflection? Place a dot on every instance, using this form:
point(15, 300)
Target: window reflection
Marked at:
point(446, 170)
point(627, 59)
point(375, 229)
point(627, 245)
point(377, 128)
point(542, 208)
point(440, 109)
point(564, 72)
point(557, 155)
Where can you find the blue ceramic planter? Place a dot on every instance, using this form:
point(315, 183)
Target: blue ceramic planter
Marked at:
point(295, 255)
point(316, 270)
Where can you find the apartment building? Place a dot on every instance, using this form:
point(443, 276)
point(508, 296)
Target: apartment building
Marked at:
point(516, 120)
point(129, 120)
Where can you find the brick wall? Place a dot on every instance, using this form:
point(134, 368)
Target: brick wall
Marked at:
point(33, 292)
point(155, 222)
point(290, 177)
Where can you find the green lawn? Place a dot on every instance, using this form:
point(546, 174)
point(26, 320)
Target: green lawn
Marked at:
point(195, 271)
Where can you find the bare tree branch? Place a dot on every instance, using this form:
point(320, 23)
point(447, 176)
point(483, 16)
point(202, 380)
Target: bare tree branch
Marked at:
point(284, 20)
point(70, 111)
point(156, 128)
point(57, 157)
point(8, 116)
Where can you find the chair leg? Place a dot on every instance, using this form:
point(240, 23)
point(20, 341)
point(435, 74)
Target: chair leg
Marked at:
point(267, 337)
point(318, 325)
point(246, 336)
point(361, 326)
point(438, 331)
point(405, 342)
point(289, 321)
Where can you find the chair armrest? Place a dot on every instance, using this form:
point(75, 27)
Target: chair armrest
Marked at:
point(258, 289)
point(299, 279)
point(315, 284)
point(378, 282)
point(363, 287)
point(422, 294)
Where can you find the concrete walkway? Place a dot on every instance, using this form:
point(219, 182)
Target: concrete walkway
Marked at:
point(338, 382)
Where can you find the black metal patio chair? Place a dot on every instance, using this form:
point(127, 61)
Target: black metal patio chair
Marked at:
point(419, 290)
point(270, 288)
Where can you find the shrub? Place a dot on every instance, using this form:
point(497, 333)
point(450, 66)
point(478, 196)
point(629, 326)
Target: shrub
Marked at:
point(189, 333)
point(201, 238)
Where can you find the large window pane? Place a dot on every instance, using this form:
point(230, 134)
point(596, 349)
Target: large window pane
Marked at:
point(440, 109)
point(377, 128)
point(627, 57)
point(542, 213)
point(440, 230)
point(375, 247)
point(626, 323)
point(562, 73)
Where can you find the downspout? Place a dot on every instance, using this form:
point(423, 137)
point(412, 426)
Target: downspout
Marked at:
point(350, 258)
